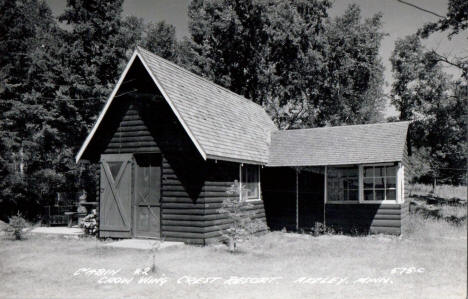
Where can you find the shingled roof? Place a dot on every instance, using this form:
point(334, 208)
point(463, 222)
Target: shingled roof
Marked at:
point(222, 124)
point(358, 144)
point(226, 126)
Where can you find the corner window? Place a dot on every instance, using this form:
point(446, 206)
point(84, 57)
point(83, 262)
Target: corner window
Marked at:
point(379, 183)
point(343, 183)
point(250, 182)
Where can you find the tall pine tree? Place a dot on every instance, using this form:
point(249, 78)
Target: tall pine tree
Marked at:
point(53, 82)
point(98, 42)
point(31, 146)
point(160, 39)
point(95, 49)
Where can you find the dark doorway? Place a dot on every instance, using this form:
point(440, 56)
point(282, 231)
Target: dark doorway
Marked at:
point(284, 207)
point(147, 210)
point(311, 189)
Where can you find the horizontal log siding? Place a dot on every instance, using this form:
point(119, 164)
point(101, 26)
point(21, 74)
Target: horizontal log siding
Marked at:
point(364, 218)
point(132, 135)
point(182, 206)
point(220, 178)
point(183, 175)
point(136, 123)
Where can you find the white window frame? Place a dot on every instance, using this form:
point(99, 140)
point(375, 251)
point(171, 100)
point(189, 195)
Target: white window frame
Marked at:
point(258, 183)
point(401, 183)
point(399, 186)
point(361, 185)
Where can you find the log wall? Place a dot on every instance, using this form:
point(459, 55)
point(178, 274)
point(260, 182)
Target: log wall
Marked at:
point(364, 218)
point(135, 124)
point(183, 176)
point(132, 135)
point(182, 203)
point(219, 180)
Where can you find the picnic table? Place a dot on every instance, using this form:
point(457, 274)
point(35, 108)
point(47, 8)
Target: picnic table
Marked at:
point(80, 214)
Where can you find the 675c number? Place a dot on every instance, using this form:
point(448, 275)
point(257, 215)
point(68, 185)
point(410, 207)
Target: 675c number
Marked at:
point(407, 270)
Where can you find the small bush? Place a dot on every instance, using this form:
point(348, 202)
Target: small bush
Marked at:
point(321, 229)
point(16, 226)
point(243, 222)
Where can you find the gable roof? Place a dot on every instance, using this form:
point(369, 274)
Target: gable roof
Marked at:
point(226, 126)
point(357, 144)
point(221, 124)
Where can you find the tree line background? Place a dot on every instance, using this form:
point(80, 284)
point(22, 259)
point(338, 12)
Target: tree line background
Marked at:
point(304, 67)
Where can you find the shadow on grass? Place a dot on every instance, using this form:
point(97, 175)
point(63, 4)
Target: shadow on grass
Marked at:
point(435, 200)
point(453, 210)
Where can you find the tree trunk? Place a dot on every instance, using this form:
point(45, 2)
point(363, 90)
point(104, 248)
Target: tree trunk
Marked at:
point(232, 245)
point(21, 164)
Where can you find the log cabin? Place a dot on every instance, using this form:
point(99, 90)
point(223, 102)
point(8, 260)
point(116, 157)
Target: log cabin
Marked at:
point(171, 143)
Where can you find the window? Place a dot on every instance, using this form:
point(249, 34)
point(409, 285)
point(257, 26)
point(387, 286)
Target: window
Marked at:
point(250, 182)
point(343, 183)
point(379, 183)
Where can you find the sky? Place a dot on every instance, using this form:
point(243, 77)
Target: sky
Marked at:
point(399, 20)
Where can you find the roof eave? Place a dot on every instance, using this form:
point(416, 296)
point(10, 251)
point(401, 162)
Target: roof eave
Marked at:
point(330, 164)
point(236, 160)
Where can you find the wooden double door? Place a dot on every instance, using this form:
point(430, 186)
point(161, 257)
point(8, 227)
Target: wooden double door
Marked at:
point(130, 199)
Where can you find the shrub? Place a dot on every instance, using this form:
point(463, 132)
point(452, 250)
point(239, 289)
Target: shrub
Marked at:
point(89, 223)
point(16, 226)
point(243, 223)
point(321, 229)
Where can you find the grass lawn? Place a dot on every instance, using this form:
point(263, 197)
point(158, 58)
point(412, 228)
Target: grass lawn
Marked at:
point(428, 261)
point(443, 191)
point(298, 266)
